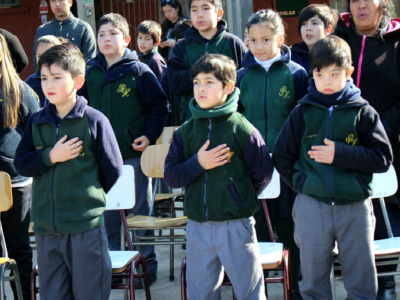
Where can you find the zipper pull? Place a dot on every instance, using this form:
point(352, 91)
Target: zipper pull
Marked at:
point(209, 124)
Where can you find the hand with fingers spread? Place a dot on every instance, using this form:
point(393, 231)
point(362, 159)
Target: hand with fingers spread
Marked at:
point(216, 157)
point(323, 154)
point(65, 150)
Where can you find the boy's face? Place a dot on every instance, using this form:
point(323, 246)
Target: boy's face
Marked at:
point(313, 30)
point(58, 85)
point(209, 91)
point(264, 43)
point(111, 41)
point(145, 43)
point(331, 79)
point(205, 17)
point(60, 8)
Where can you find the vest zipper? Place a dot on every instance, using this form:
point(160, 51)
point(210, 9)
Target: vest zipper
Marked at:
point(206, 50)
point(205, 181)
point(52, 181)
point(330, 110)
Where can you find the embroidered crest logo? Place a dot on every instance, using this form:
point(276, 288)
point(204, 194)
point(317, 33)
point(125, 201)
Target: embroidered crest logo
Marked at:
point(351, 141)
point(284, 92)
point(123, 90)
point(81, 153)
point(230, 156)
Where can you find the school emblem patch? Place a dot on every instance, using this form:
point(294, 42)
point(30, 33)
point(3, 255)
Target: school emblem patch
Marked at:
point(123, 90)
point(351, 141)
point(283, 92)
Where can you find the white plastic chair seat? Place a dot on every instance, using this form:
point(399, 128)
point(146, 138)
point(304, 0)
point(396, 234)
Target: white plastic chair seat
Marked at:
point(271, 254)
point(387, 246)
point(121, 259)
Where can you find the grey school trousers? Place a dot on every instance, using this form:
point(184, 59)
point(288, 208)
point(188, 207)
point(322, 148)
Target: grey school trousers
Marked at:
point(212, 247)
point(317, 226)
point(74, 266)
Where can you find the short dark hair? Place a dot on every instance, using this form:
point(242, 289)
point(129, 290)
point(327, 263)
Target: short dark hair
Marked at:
point(331, 50)
point(221, 66)
point(216, 3)
point(327, 15)
point(117, 21)
point(387, 11)
point(181, 27)
point(151, 28)
point(268, 18)
point(66, 56)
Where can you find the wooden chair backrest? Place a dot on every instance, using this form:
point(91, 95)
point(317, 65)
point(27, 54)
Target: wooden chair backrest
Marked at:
point(166, 136)
point(122, 194)
point(153, 160)
point(6, 200)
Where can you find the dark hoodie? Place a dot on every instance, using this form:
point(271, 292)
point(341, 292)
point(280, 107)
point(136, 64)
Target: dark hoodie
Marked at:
point(301, 55)
point(155, 62)
point(189, 50)
point(361, 146)
point(130, 96)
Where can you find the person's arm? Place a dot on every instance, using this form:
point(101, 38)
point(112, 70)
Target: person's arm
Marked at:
point(300, 79)
point(105, 149)
point(155, 101)
point(258, 160)
point(238, 48)
point(179, 73)
point(390, 120)
point(88, 46)
point(373, 153)
point(17, 52)
point(158, 66)
point(287, 145)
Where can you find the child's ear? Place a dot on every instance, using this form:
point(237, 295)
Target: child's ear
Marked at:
point(280, 40)
point(328, 30)
point(229, 87)
point(220, 13)
point(79, 81)
point(127, 40)
point(349, 72)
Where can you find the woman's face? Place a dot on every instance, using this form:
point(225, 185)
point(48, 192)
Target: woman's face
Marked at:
point(171, 13)
point(366, 15)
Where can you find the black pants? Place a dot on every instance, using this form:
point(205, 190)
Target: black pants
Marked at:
point(15, 224)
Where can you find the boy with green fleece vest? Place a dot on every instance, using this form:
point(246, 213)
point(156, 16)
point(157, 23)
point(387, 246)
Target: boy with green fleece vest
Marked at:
point(72, 153)
point(129, 94)
point(208, 35)
point(224, 166)
point(327, 151)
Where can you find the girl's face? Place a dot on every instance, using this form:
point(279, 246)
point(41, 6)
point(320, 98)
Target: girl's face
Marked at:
point(264, 43)
point(313, 30)
point(171, 13)
point(42, 48)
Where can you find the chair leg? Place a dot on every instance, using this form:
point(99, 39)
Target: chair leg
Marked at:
point(287, 278)
point(140, 260)
point(183, 279)
point(2, 271)
point(171, 257)
point(16, 279)
point(34, 290)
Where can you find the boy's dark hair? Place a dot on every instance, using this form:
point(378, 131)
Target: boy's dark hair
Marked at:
point(331, 50)
point(181, 27)
point(268, 18)
point(66, 56)
point(327, 15)
point(117, 21)
point(216, 3)
point(151, 28)
point(221, 66)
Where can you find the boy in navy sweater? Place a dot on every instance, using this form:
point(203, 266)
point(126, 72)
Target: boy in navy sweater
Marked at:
point(72, 153)
point(327, 151)
point(149, 37)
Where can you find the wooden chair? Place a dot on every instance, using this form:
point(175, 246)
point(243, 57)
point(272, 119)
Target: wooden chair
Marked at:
point(120, 197)
point(152, 163)
point(383, 185)
point(273, 256)
point(6, 263)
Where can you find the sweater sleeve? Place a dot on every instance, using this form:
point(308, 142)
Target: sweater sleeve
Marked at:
point(178, 172)
point(105, 149)
point(238, 48)
point(301, 82)
point(392, 116)
point(373, 154)
point(258, 160)
point(179, 76)
point(287, 145)
point(155, 102)
point(29, 161)
point(17, 52)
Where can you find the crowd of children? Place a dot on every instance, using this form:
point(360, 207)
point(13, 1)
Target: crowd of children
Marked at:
point(237, 103)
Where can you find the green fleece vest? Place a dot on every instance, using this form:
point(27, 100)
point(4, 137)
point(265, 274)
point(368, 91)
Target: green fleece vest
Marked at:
point(196, 49)
point(267, 105)
point(118, 101)
point(226, 192)
point(68, 198)
point(329, 183)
